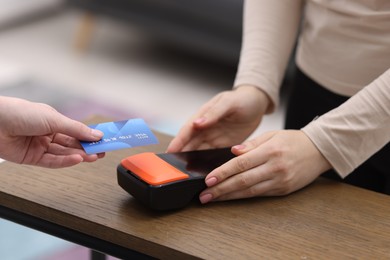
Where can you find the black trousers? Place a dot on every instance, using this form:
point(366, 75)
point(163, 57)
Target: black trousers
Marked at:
point(308, 100)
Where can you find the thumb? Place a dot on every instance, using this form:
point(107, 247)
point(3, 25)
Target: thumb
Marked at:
point(76, 129)
point(252, 144)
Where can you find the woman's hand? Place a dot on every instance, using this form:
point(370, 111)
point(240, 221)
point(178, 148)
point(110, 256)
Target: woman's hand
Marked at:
point(227, 119)
point(276, 163)
point(36, 134)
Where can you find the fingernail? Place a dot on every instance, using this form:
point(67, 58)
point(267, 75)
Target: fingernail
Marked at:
point(205, 198)
point(211, 181)
point(97, 133)
point(239, 147)
point(200, 120)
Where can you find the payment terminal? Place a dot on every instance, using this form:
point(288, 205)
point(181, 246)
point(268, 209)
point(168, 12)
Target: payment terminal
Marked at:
point(168, 181)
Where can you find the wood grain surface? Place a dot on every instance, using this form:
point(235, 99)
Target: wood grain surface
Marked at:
point(325, 220)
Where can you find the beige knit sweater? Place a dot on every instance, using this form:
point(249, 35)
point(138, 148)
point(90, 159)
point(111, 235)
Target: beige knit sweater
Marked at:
point(344, 45)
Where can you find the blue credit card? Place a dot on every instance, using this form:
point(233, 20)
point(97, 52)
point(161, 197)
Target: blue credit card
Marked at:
point(120, 135)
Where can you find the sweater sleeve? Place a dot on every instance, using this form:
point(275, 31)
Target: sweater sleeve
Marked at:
point(351, 133)
point(269, 33)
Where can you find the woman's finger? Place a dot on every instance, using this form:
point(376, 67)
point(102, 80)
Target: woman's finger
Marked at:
point(185, 135)
point(212, 112)
point(66, 141)
point(252, 144)
point(60, 150)
point(235, 166)
point(262, 188)
point(58, 161)
point(238, 186)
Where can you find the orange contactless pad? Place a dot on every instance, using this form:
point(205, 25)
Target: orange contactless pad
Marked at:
point(152, 169)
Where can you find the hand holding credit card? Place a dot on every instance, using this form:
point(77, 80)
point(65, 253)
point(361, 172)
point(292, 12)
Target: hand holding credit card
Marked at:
point(120, 135)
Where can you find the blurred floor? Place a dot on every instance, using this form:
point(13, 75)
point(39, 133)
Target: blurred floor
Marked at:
point(122, 68)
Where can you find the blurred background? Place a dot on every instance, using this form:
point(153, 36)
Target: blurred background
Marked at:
point(158, 60)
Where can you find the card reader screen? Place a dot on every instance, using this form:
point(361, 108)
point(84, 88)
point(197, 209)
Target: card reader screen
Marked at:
point(198, 163)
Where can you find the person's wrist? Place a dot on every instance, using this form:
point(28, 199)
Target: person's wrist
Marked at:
point(321, 163)
point(262, 97)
